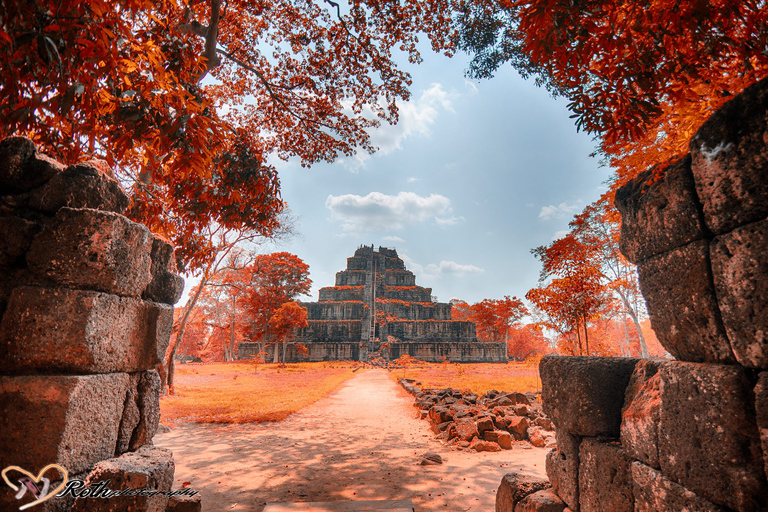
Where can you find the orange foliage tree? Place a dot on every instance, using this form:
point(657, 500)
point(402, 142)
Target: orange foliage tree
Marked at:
point(285, 322)
point(125, 80)
point(526, 340)
point(493, 317)
point(573, 295)
point(276, 278)
point(589, 254)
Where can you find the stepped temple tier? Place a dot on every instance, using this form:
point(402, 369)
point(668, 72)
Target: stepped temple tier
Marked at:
point(375, 309)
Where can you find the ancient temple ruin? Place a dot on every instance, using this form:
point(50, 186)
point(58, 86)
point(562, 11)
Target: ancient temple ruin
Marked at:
point(376, 309)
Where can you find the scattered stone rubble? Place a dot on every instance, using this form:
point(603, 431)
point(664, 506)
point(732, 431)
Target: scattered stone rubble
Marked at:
point(689, 434)
point(86, 301)
point(489, 422)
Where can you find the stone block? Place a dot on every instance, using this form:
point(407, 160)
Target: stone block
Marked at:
point(708, 436)
point(542, 501)
point(466, 429)
point(605, 481)
point(514, 488)
point(484, 424)
point(166, 286)
point(761, 409)
point(503, 439)
point(12, 277)
point(131, 416)
point(537, 436)
point(439, 414)
point(484, 446)
point(730, 161)
point(640, 416)
point(184, 503)
point(93, 250)
point(584, 395)
point(562, 465)
point(740, 269)
point(147, 468)
point(15, 238)
point(660, 213)
point(680, 295)
point(653, 493)
point(518, 427)
point(76, 331)
point(68, 420)
point(141, 414)
point(90, 184)
point(22, 167)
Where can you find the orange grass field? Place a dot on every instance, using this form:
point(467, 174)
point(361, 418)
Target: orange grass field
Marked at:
point(242, 392)
point(478, 378)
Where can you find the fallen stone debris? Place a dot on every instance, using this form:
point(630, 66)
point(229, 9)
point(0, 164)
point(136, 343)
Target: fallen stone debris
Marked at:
point(491, 422)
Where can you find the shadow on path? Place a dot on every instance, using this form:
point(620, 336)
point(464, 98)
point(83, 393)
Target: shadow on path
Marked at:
point(362, 442)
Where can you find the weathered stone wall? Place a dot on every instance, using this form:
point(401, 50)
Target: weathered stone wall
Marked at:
point(426, 330)
point(86, 303)
point(416, 310)
point(407, 294)
point(336, 330)
point(465, 352)
point(329, 351)
point(690, 434)
point(334, 310)
point(335, 294)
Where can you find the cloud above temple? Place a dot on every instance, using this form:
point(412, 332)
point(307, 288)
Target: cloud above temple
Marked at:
point(381, 212)
point(416, 119)
point(436, 270)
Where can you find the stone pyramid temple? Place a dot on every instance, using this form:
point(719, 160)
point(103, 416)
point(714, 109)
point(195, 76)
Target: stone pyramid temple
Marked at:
point(377, 310)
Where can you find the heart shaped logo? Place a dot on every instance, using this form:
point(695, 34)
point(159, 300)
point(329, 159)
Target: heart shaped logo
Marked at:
point(38, 486)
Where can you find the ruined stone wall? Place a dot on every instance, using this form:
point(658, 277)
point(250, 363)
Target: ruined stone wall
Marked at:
point(335, 294)
point(334, 310)
point(336, 330)
point(465, 352)
point(416, 310)
point(86, 302)
point(689, 434)
point(425, 330)
point(330, 351)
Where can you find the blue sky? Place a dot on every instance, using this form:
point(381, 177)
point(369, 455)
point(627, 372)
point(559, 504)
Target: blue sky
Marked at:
point(475, 175)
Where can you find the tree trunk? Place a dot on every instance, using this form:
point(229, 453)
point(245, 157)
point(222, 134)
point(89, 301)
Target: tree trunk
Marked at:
point(578, 337)
point(232, 331)
point(633, 315)
point(628, 351)
point(586, 334)
point(169, 364)
point(276, 358)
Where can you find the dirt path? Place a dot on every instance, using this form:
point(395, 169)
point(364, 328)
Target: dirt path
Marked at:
point(362, 442)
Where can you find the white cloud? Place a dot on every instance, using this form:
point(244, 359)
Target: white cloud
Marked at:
point(448, 221)
point(395, 239)
point(559, 211)
point(416, 118)
point(436, 270)
point(413, 179)
point(382, 212)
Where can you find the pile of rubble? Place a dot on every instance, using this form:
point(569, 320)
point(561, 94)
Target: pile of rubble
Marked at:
point(489, 422)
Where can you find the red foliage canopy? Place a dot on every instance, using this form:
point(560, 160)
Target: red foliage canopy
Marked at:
point(124, 80)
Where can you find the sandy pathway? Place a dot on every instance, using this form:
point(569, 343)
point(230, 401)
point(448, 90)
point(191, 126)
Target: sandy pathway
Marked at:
point(362, 442)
